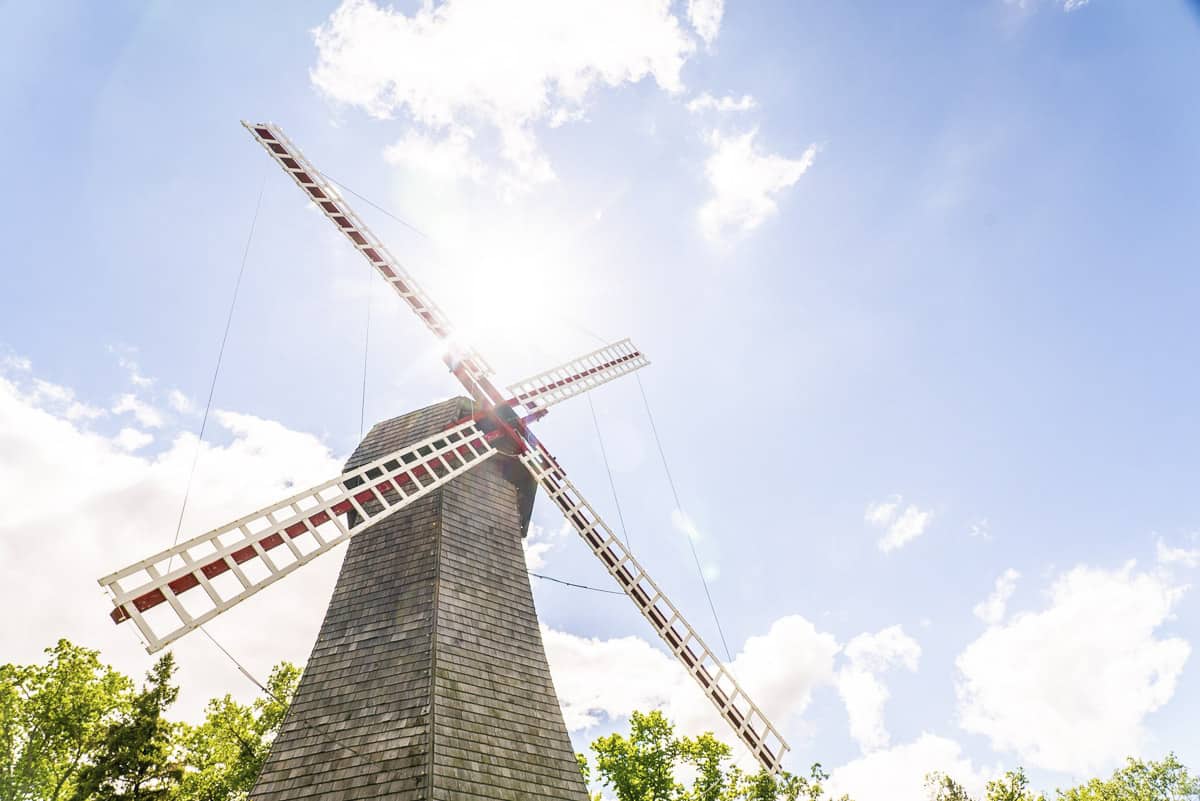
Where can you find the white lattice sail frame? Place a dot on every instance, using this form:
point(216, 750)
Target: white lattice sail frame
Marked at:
point(722, 689)
point(235, 561)
point(578, 375)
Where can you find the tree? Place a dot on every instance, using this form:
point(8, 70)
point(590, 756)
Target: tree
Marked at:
point(707, 756)
point(226, 752)
point(138, 758)
point(1167, 780)
point(1012, 786)
point(74, 728)
point(643, 766)
point(784, 786)
point(52, 718)
point(941, 787)
point(640, 767)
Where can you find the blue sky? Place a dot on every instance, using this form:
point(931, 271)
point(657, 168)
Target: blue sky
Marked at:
point(948, 283)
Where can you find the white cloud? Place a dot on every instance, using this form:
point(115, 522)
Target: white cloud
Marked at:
point(45, 390)
point(10, 361)
point(881, 513)
point(562, 116)
point(62, 400)
point(705, 16)
point(605, 680)
point(1066, 5)
point(1068, 688)
point(180, 402)
point(145, 414)
point(539, 542)
point(991, 610)
point(1183, 557)
point(446, 156)
point(745, 182)
point(898, 773)
point(780, 669)
point(129, 365)
point(83, 411)
point(706, 102)
point(504, 66)
point(863, 692)
point(906, 528)
point(535, 553)
point(608, 679)
point(981, 529)
point(902, 526)
point(130, 439)
point(883, 649)
point(89, 506)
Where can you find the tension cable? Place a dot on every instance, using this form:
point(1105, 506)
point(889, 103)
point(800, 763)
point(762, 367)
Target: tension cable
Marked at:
point(191, 476)
point(573, 584)
point(376, 206)
point(611, 483)
point(362, 407)
point(212, 387)
point(679, 507)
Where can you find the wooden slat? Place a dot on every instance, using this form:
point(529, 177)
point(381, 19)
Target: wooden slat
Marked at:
point(362, 497)
point(718, 684)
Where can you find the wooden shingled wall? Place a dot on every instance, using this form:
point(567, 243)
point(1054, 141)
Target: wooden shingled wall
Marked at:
point(428, 679)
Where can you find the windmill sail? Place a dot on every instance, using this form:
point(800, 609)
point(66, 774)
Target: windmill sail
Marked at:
point(332, 205)
point(578, 375)
point(717, 682)
point(235, 561)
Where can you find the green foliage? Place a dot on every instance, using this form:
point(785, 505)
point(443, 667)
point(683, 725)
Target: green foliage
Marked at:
point(640, 767)
point(1167, 780)
point(707, 756)
point(941, 787)
point(52, 718)
point(138, 759)
point(227, 750)
point(1012, 786)
point(586, 770)
point(73, 729)
point(643, 767)
point(785, 786)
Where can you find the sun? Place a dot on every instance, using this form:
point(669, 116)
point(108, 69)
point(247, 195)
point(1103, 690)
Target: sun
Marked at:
point(515, 295)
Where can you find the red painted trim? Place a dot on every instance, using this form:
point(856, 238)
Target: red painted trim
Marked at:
point(573, 378)
point(218, 566)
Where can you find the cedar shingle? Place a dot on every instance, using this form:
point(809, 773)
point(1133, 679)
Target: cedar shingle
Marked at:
point(428, 679)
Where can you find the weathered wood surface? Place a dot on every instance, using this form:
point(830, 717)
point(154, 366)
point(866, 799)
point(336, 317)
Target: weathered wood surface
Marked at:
point(428, 679)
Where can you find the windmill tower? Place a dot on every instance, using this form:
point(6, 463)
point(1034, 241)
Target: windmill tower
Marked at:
point(428, 679)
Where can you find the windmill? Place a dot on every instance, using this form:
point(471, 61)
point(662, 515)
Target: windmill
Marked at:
point(401, 468)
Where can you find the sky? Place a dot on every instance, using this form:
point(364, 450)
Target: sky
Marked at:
point(918, 282)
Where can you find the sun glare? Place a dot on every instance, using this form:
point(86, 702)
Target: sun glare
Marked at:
point(515, 296)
